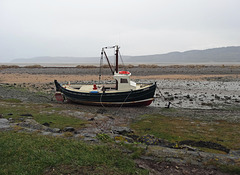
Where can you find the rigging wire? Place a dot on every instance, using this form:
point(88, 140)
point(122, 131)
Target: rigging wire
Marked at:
point(123, 102)
point(101, 100)
point(122, 60)
point(100, 68)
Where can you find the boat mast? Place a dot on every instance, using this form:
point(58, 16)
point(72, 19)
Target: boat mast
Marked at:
point(116, 47)
point(108, 60)
point(116, 54)
point(116, 68)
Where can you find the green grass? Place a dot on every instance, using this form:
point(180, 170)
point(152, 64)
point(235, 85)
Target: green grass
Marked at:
point(7, 86)
point(181, 128)
point(22, 153)
point(41, 113)
point(11, 100)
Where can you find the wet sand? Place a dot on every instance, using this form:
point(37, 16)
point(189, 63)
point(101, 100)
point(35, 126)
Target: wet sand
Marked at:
point(45, 78)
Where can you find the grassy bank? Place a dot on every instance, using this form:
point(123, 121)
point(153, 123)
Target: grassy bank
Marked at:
point(33, 154)
point(42, 113)
point(176, 129)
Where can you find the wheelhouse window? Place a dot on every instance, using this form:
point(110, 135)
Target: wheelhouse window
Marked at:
point(123, 80)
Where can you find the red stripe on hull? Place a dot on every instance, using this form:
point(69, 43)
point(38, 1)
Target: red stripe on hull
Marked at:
point(136, 104)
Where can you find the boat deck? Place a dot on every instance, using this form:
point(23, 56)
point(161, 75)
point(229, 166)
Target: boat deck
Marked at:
point(108, 88)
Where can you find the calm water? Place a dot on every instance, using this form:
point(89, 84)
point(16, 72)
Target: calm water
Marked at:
point(97, 64)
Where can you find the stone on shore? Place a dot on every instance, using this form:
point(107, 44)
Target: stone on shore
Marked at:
point(31, 123)
point(4, 124)
point(121, 130)
point(69, 129)
point(192, 157)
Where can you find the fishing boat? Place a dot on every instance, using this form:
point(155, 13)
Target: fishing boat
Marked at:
point(123, 92)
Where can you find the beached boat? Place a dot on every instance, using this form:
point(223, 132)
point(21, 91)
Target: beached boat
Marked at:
point(123, 92)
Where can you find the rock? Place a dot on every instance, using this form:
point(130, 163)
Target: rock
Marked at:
point(91, 130)
point(189, 148)
point(217, 97)
point(227, 97)
point(11, 120)
point(53, 130)
point(46, 133)
point(4, 124)
point(1, 116)
point(205, 144)
point(99, 117)
point(152, 140)
point(46, 124)
point(57, 134)
point(190, 157)
point(26, 115)
point(234, 152)
point(31, 123)
point(169, 98)
point(111, 117)
point(89, 135)
point(21, 119)
point(80, 115)
point(190, 99)
point(56, 130)
point(121, 130)
point(69, 129)
point(90, 139)
point(120, 138)
point(101, 111)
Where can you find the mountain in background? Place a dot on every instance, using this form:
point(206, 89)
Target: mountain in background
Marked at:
point(47, 59)
point(223, 54)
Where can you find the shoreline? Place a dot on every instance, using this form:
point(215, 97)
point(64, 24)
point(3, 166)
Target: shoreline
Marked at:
point(46, 78)
point(47, 65)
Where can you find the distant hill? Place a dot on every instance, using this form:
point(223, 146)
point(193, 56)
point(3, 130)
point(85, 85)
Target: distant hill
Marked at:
point(47, 59)
point(223, 54)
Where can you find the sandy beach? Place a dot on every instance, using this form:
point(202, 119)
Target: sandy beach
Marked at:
point(45, 78)
point(63, 74)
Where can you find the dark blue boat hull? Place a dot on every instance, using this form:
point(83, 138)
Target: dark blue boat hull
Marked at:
point(141, 97)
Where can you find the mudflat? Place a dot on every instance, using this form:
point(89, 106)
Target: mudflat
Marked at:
point(48, 74)
point(200, 95)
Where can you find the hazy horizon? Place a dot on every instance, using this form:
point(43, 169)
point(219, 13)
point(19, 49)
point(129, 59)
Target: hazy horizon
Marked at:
point(81, 28)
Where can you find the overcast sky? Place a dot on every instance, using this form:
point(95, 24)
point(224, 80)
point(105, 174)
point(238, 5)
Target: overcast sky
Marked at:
point(31, 28)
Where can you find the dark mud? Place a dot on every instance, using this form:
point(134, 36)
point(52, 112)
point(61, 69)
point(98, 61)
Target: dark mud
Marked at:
point(167, 168)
